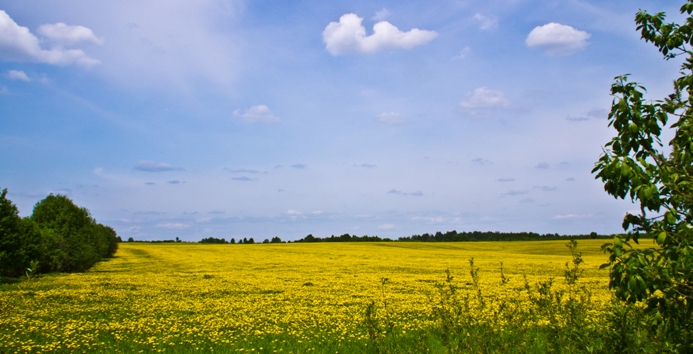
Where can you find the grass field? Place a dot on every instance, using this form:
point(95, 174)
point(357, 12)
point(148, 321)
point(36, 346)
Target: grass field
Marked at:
point(337, 297)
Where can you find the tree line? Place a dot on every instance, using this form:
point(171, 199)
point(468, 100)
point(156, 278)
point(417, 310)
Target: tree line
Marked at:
point(59, 236)
point(454, 236)
point(244, 240)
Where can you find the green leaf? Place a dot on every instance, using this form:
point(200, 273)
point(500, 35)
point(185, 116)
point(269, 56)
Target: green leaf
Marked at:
point(661, 237)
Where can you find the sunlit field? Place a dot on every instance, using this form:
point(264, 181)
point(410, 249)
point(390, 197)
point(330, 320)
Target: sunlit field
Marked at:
point(336, 297)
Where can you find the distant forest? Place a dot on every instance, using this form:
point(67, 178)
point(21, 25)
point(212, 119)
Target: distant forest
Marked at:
point(454, 236)
point(450, 236)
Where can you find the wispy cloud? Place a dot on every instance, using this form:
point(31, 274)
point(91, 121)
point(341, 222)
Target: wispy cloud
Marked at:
point(481, 161)
point(542, 165)
point(366, 165)
point(243, 170)
point(151, 166)
point(170, 225)
point(398, 192)
point(487, 23)
point(257, 114)
point(391, 118)
point(505, 180)
point(17, 75)
point(514, 192)
point(299, 166)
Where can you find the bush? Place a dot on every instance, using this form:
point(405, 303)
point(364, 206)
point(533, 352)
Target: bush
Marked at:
point(59, 236)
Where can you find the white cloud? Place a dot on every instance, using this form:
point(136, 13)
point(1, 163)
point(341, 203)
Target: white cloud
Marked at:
point(62, 34)
point(463, 53)
point(293, 212)
point(257, 114)
point(381, 15)
point(391, 118)
point(18, 44)
point(572, 216)
point(170, 225)
point(349, 36)
point(557, 39)
point(432, 220)
point(484, 97)
point(17, 75)
point(487, 23)
point(386, 227)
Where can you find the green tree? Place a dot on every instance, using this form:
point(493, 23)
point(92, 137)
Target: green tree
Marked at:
point(638, 166)
point(71, 234)
point(21, 241)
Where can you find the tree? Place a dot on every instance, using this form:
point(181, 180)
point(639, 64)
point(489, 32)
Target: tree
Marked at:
point(637, 165)
point(20, 240)
point(73, 239)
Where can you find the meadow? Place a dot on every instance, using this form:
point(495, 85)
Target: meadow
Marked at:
point(338, 297)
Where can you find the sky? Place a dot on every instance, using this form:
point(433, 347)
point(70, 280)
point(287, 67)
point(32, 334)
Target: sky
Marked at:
point(235, 119)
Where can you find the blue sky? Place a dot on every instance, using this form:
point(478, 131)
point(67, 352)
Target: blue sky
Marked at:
point(283, 118)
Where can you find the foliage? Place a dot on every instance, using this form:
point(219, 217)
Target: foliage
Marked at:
point(20, 240)
point(59, 236)
point(637, 165)
point(213, 240)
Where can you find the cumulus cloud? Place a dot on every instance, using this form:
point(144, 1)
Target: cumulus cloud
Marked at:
point(542, 165)
point(484, 97)
point(17, 75)
point(257, 114)
point(488, 23)
point(18, 44)
point(151, 166)
point(390, 118)
point(557, 39)
point(61, 34)
point(349, 36)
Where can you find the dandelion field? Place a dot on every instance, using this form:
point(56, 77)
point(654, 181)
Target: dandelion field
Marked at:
point(338, 297)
